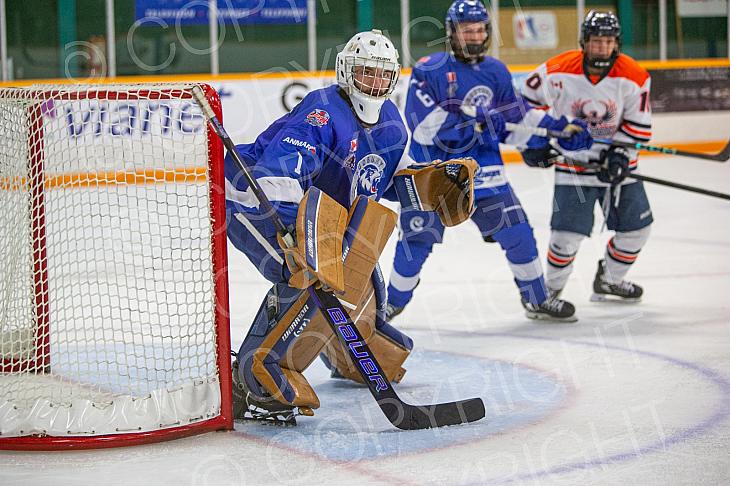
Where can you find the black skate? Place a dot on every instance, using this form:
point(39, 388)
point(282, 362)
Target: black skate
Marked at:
point(391, 311)
point(553, 309)
point(623, 291)
point(247, 406)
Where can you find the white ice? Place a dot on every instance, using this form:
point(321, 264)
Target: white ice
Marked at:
point(630, 394)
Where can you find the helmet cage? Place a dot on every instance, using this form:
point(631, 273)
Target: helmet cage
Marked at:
point(373, 78)
point(600, 24)
point(367, 71)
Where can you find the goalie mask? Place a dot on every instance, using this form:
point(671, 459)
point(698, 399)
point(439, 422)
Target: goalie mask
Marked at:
point(468, 15)
point(367, 70)
point(600, 24)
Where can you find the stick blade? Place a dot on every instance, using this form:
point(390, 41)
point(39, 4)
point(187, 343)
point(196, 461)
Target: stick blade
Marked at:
point(416, 417)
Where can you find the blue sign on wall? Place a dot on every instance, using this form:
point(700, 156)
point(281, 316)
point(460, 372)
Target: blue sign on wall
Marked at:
point(192, 12)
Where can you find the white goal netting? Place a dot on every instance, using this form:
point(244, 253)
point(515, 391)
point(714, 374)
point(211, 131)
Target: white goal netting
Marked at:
point(107, 288)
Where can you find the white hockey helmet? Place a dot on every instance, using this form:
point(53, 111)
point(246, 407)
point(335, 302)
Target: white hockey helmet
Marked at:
point(368, 70)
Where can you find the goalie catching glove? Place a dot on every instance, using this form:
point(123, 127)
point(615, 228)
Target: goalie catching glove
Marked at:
point(444, 187)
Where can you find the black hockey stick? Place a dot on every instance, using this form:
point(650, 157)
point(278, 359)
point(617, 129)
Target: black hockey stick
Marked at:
point(722, 156)
point(399, 413)
point(653, 180)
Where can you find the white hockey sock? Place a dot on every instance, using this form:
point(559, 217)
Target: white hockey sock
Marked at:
point(402, 283)
point(622, 251)
point(561, 253)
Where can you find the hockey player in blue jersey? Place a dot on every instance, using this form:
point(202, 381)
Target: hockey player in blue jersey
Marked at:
point(324, 165)
point(444, 87)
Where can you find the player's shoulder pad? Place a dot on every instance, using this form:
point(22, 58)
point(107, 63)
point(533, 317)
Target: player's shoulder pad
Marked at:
point(627, 67)
point(569, 62)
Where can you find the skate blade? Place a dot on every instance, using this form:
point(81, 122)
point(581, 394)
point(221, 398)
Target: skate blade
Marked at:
point(613, 299)
point(269, 420)
point(542, 317)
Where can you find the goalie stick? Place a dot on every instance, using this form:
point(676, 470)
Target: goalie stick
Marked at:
point(400, 414)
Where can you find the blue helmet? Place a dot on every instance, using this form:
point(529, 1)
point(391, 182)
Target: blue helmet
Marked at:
point(468, 11)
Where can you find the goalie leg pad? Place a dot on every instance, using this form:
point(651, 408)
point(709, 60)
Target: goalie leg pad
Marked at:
point(282, 317)
point(320, 227)
point(390, 347)
point(369, 226)
point(289, 332)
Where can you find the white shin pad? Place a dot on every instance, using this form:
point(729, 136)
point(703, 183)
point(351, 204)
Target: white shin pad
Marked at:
point(622, 251)
point(563, 248)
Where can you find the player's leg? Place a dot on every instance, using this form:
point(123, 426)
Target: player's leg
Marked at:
point(419, 231)
point(501, 218)
point(632, 222)
point(571, 223)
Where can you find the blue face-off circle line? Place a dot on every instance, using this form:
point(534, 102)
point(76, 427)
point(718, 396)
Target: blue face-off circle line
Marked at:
point(721, 414)
point(514, 410)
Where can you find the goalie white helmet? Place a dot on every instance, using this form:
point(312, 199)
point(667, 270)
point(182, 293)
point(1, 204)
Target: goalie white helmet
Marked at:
point(367, 70)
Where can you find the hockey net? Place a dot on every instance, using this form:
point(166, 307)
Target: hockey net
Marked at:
point(113, 288)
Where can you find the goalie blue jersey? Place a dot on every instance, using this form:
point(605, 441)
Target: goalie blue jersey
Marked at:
point(319, 143)
point(439, 133)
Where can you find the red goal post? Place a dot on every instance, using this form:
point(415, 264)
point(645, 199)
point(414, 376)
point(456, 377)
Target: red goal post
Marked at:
point(114, 322)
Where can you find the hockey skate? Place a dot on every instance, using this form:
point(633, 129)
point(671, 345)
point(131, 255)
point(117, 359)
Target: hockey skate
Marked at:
point(391, 311)
point(623, 291)
point(247, 406)
point(553, 309)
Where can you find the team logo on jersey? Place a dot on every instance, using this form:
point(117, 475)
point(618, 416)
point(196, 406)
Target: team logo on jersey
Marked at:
point(367, 177)
point(600, 116)
point(318, 118)
point(479, 95)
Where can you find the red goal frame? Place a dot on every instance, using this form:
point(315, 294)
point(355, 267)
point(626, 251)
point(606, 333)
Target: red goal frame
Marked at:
point(224, 421)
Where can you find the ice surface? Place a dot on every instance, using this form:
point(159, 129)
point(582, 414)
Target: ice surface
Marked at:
point(630, 394)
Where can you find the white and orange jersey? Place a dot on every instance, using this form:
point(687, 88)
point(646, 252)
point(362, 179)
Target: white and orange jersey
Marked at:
point(614, 107)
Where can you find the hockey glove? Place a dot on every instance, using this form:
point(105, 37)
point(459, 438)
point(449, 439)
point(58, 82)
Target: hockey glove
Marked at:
point(539, 157)
point(444, 187)
point(492, 123)
point(317, 256)
point(580, 136)
point(615, 165)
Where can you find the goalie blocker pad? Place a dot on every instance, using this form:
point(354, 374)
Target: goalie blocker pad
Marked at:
point(289, 332)
point(444, 187)
point(317, 256)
